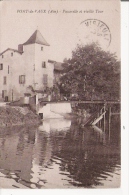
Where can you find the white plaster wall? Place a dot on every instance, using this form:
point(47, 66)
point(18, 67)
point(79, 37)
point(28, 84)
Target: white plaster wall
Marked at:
point(19, 64)
point(29, 63)
point(16, 68)
point(22, 65)
point(61, 108)
point(55, 110)
point(43, 56)
point(47, 113)
point(45, 110)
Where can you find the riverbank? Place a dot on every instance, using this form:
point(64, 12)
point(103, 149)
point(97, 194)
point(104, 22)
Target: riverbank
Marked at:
point(16, 115)
point(12, 116)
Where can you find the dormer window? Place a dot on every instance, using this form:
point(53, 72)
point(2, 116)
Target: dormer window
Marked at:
point(1, 66)
point(41, 48)
point(11, 54)
point(43, 64)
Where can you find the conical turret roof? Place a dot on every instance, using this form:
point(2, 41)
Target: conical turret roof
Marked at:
point(36, 37)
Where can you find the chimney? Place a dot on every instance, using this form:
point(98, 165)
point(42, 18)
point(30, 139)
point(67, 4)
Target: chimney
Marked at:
point(20, 48)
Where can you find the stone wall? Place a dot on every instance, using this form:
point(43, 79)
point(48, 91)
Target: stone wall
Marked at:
point(61, 108)
point(54, 110)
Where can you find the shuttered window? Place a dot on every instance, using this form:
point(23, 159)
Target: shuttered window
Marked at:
point(43, 64)
point(4, 93)
point(45, 79)
point(8, 69)
point(22, 79)
point(1, 66)
point(5, 80)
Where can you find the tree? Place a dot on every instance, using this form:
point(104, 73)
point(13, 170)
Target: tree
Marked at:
point(92, 73)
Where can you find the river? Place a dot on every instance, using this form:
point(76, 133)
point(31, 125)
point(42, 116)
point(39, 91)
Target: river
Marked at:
point(60, 154)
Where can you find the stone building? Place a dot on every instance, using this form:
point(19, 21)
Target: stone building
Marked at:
point(58, 70)
point(27, 67)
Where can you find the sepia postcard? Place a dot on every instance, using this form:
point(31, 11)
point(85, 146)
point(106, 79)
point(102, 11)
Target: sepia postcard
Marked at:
point(60, 94)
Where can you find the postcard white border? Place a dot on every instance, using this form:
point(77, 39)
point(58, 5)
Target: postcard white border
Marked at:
point(123, 190)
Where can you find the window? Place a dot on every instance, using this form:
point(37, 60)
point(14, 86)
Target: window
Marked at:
point(5, 80)
point(2, 56)
point(11, 54)
point(8, 69)
point(1, 66)
point(45, 80)
point(4, 93)
point(43, 64)
point(22, 79)
point(41, 48)
point(34, 67)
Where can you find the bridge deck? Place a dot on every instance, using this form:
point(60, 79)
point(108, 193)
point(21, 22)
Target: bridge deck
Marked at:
point(85, 102)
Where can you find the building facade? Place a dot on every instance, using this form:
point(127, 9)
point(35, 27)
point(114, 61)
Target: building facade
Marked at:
point(26, 67)
point(58, 70)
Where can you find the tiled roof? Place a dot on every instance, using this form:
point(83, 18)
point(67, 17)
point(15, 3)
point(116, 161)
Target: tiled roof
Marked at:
point(57, 65)
point(11, 50)
point(36, 37)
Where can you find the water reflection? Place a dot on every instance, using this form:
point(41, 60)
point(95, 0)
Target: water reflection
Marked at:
point(61, 154)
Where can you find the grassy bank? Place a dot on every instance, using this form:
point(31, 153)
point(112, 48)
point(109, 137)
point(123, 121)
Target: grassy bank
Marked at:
point(12, 116)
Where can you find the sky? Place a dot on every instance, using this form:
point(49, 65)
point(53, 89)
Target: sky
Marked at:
point(59, 28)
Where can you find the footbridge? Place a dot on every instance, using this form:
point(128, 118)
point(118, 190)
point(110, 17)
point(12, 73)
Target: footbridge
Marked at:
point(84, 101)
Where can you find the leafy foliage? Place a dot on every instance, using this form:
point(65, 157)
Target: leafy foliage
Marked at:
point(91, 73)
